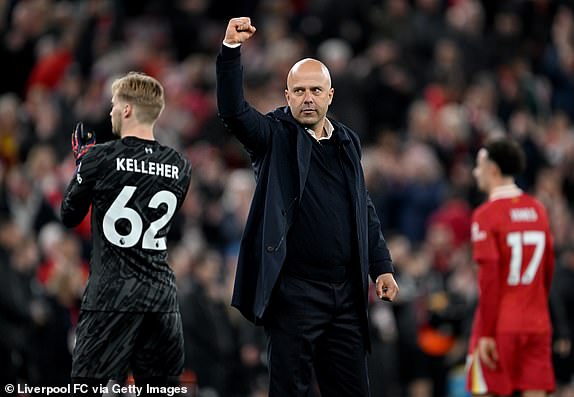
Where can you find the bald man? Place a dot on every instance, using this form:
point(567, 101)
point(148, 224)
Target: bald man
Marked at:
point(312, 237)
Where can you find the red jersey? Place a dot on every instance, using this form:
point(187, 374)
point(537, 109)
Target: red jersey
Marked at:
point(513, 247)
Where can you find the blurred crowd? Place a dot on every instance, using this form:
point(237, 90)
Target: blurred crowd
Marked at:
point(424, 82)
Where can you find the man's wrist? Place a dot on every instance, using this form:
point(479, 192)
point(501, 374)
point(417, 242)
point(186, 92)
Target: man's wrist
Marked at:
point(381, 275)
point(228, 53)
point(231, 45)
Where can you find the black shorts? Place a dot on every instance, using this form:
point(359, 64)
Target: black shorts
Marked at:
point(108, 344)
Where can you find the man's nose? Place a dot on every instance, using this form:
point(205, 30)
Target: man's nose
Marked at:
point(308, 97)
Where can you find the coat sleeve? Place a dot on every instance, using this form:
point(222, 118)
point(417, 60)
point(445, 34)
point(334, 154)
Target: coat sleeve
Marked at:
point(380, 261)
point(379, 256)
point(252, 128)
point(78, 194)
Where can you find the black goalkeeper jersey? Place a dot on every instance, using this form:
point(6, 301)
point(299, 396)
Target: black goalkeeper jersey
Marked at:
point(134, 186)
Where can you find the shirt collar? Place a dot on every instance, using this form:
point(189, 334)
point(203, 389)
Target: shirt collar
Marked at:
point(506, 191)
point(328, 127)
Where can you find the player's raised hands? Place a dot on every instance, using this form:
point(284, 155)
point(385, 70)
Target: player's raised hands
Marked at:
point(81, 141)
point(238, 30)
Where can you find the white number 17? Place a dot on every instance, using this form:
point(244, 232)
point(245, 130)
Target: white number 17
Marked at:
point(516, 241)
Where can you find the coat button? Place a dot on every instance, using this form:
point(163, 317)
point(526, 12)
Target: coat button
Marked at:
point(269, 248)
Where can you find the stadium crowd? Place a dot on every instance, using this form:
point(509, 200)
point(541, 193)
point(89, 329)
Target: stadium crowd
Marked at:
point(424, 81)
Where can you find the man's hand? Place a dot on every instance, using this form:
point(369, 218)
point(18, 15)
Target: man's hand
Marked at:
point(562, 347)
point(386, 286)
point(82, 141)
point(487, 352)
point(238, 30)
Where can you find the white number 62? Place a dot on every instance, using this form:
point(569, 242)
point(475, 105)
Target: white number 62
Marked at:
point(118, 210)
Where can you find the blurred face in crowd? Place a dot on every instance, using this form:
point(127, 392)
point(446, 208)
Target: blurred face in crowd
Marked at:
point(309, 93)
point(483, 170)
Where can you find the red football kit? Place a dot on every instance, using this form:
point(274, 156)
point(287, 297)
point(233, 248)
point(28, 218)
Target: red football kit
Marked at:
point(513, 248)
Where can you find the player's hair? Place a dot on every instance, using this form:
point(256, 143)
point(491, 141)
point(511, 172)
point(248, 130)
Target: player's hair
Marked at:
point(142, 91)
point(507, 154)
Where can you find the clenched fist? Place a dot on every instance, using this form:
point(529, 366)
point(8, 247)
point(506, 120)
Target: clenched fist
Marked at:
point(386, 287)
point(238, 30)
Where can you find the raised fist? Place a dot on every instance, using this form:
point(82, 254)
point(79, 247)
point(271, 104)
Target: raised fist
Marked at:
point(238, 30)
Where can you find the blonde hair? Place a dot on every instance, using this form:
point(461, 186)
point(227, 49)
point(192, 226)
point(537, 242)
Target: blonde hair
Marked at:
point(143, 92)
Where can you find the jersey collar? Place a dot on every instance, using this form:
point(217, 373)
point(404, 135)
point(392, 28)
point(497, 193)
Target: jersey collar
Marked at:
point(506, 191)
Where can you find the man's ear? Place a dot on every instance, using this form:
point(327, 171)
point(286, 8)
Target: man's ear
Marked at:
point(127, 110)
point(494, 169)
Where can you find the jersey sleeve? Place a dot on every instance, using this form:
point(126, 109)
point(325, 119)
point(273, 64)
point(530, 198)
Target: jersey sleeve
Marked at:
point(487, 256)
point(186, 180)
point(483, 235)
point(78, 194)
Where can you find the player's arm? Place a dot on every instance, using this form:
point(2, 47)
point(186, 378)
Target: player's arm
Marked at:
point(487, 257)
point(489, 298)
point(185, 181)
point(78, 194)
point(249, 126)
point(489, 290)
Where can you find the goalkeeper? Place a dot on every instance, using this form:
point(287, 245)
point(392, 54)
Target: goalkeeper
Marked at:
point(129, 319)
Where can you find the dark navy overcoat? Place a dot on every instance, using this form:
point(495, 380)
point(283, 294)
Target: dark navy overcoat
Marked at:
point(280, 151)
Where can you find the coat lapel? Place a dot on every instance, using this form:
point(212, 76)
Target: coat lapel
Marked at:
point(303, 158)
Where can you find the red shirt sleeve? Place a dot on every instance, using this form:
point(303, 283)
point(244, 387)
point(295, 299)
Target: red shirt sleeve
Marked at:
point(486, 255)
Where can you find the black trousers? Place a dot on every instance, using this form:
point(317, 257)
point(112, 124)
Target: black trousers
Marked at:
point(108, 344)
point(315, 324)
